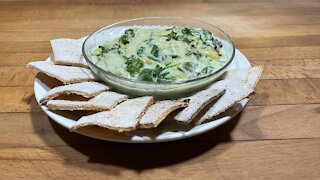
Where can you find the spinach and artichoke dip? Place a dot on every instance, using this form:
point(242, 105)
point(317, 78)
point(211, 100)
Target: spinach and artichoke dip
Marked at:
point(161, 55)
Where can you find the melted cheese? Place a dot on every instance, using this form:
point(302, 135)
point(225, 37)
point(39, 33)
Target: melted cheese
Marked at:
point(181, 56)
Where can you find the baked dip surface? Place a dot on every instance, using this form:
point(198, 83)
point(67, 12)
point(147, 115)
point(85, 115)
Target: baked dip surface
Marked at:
point(161, 55)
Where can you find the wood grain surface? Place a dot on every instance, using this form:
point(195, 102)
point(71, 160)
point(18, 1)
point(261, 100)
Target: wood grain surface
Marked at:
point(277, 136)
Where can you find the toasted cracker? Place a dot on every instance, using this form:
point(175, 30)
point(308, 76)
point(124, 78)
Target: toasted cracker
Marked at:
point(123, 117)
point(196, 103)
point(68, 52)
point(65, 74)
point(237, 88)
point(241, 72)
point(104, 101)
point(156, 113)
point(85, 89)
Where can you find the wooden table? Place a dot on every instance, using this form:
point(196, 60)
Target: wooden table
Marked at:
point(277, 136)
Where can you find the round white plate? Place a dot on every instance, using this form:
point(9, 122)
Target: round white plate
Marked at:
point(169, 130)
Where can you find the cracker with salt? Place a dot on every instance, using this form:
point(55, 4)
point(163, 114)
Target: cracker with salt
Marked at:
point(240, 72)
point(65, 74)
point(237, 87)
point(68, 52)
point(104, 101)
point(157, 112)
point(85, 89)
point(196, 103)
point(123, 117)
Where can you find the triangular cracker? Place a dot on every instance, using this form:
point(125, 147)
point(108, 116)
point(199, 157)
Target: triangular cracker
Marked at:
point(157, 112)
point(68, 52)
point(196, 103)
point(104, 101)
point(65, 74)
point(123, 117)
point(240, 73)
point(85, 89)
point(237, 88)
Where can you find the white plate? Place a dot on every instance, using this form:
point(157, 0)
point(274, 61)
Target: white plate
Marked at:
point(169, 130)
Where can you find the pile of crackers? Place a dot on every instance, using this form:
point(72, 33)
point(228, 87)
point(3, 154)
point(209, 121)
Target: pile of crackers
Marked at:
point(117, 111)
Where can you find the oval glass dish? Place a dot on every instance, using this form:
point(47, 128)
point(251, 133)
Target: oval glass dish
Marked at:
point(162, 90)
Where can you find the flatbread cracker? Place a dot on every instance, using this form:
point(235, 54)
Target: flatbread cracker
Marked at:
point(157, 112)
point(237, 88)
point(104, 101)
point(65, 74)
point(68, 52)
point(85, 89)
point(240, 72)
point(123, 117)
point(196, 103)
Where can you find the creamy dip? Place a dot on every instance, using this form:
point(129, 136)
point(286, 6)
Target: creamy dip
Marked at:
point(161, 55)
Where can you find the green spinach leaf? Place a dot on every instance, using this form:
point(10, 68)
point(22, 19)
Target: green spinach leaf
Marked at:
point(129, 33)
point(155, 51)
point(134, 65)
point(146, 75)
point(156, 75)
point(140, 51)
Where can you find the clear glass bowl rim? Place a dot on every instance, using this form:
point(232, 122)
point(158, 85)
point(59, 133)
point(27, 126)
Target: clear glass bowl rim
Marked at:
point(157, 83)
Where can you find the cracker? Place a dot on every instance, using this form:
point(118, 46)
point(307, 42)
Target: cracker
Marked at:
point(123, 117)
point(65, 74)
point(196, 103)
point(68, 52)
point(237, 88)
point(241, 72)
point(104, 101)
point(85, 89)
point(157, 112)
